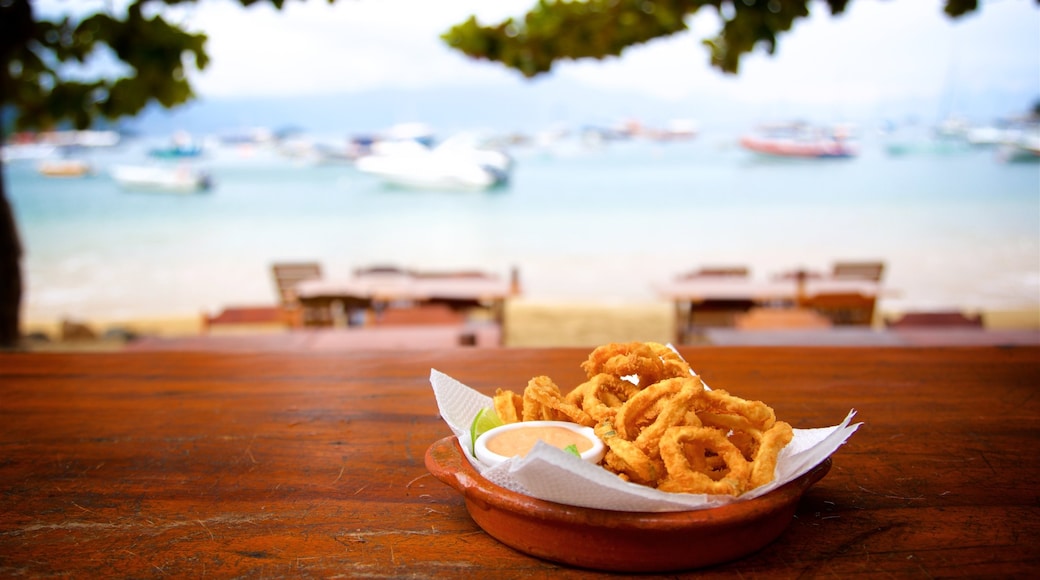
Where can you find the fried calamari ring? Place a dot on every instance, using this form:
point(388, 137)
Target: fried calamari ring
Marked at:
point(542, 401)
point(577, 394)
point(758, 413)
point(624, 360)
point(626, 459)
point(680, 444)
point(604, 394)
point(741, 431)
point(646, 406)
point(509, 406)
point(674, 365)
point(763, 468)
point(670, 412)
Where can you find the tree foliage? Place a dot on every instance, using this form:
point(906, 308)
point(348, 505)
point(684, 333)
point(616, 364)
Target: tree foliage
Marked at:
point(151, 51)
point(555, 30)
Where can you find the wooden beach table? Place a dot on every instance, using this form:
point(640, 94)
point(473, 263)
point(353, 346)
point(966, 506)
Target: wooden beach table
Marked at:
point(689, 294)
point(373, 290)
point(206, 464)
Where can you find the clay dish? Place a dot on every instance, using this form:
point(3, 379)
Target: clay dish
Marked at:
point(623, 541)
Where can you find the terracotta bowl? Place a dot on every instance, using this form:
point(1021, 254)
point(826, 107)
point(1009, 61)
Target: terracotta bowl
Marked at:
point(619, 541)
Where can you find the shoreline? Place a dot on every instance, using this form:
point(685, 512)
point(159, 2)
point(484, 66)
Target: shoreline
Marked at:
point(529, 323)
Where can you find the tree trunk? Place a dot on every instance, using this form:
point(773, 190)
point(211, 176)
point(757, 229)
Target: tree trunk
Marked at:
point(10, 271)
point(16, 28)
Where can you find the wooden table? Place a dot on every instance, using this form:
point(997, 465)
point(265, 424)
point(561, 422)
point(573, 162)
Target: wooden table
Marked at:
point(699, 289)
point(390, 288)
point(374, 292)
point(702, 302)
point(173, 464)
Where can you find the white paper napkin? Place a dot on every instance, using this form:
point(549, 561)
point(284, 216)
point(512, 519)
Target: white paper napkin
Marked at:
point(554, 475)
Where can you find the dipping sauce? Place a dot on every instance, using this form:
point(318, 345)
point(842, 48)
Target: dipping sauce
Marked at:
point(520, 441)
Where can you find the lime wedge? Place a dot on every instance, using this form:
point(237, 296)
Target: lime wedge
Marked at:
point(485, 420)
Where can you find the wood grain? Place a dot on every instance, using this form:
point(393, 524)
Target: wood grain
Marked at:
point(158, 464)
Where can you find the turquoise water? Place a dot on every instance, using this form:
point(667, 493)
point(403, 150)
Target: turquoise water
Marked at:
point(598, 224)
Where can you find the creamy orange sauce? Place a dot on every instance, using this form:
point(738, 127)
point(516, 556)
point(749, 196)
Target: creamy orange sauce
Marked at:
point(520, 441)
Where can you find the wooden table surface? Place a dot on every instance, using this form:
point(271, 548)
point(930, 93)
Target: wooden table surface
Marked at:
point(700, 289)
point(168, 464)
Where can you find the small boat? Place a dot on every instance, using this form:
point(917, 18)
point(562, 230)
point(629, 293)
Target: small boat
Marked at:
point(180, 179)
point(813, 147)
point(27, 151)
point(182, 146)
point(176, 151)
point(65, 168)
point(1024, 149)
point(451, 165)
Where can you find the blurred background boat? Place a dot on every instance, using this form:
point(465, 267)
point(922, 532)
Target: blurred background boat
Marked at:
point(180, 179)
point(65, 168)
point(458, 163)
point(181, 146)
point(1021, 146)
point(800, 140)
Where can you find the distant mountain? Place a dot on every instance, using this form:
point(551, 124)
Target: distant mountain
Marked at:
point(528, 107)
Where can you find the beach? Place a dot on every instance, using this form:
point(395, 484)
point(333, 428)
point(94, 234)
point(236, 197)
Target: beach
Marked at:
point(592, 230)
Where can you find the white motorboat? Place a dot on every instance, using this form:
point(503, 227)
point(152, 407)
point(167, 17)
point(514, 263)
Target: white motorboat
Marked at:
point(179, 179)
point(455, 164)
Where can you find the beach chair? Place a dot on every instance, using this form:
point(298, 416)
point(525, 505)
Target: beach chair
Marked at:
point(286, 276)
point(859, 270)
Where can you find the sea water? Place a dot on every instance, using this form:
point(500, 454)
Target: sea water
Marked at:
point(590, 223)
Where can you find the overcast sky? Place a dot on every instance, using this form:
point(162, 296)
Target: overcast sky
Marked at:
point(876, 50)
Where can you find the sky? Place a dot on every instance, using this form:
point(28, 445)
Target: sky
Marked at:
point(880, 57)
point(876, 50)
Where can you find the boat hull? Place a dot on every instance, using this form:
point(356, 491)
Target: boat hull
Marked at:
point(819, 149)
point(161, 179)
